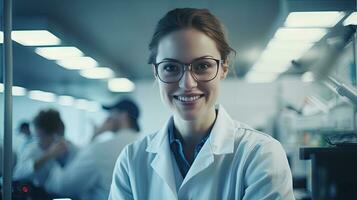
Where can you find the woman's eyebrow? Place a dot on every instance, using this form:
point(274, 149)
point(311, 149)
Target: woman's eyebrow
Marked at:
point(172, 59)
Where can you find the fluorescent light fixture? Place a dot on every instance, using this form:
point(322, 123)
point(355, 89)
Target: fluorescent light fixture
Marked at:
point(120, 85)
point(62, 199)
point(58, 53)
point(308, 77)
point(42, 96)
point(97, 73)
point(35, 38)
point(300, 34)
point(270, 67)
point(280, 55)
point(254, 77)
point(65, 100)
point(289, 46)
point(313, 19)
point(351, 20)
point(18, 91)
point(81, 104)
point(1, 37)
point(77, 63)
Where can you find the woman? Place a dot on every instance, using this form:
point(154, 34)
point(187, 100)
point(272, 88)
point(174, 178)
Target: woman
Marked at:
point(200, 153)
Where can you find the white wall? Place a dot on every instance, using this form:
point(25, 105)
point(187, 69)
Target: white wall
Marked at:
point(253, 104)
point(78, 122)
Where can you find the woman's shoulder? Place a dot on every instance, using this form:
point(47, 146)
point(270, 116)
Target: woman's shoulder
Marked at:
point(140, 145)
point(252, 138)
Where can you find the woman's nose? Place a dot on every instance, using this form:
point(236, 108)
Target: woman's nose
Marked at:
point(187, 81)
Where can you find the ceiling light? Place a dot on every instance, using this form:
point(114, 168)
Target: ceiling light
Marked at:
point(77, 63)
point(97, 73)
point(35, 38)
point(42, 96)
point(289, 46)
point(254, 77)
point(18, 91)
point(81, 104)
point(1, 37)
point(65, 100)
point(58, 53)
point(120, 85)
point(351, 20)
point(281, 55)
point(313, 19)
point(270, 67)
point(300, 34)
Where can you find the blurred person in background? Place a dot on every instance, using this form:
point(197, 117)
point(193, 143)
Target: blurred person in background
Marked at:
point(89, 176)
point(123, 117)
point(50, 148)
point(23, 137)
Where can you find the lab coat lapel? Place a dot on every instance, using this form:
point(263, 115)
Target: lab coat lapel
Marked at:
point(162, 162)
point(220, 141)
point(203, 160)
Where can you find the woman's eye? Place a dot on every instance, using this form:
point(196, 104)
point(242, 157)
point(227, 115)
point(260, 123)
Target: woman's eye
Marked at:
point(201, 66)
point(170, 68)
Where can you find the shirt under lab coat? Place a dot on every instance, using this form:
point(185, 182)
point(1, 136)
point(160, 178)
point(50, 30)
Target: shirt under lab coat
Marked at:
point(236, 162)
point(89, 176)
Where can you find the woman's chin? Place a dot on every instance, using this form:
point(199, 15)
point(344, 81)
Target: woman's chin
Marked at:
point(189, 115)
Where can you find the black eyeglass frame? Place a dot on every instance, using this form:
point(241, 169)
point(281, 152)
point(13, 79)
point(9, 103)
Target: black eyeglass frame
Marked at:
point(189, 67)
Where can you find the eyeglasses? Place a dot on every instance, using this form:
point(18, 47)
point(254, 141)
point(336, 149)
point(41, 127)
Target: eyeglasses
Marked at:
point(201, 69)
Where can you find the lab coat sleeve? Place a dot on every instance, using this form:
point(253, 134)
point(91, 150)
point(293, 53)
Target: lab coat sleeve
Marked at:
point(24, 169)
point(268, 174)
point(120, 188)
point(76, 177)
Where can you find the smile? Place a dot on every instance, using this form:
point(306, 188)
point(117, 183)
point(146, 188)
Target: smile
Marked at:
point(188, 99)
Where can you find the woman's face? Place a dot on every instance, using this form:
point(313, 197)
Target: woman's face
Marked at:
point(189, 99)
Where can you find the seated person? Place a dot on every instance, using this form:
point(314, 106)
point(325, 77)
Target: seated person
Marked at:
point(50, 147)
point(89, 175)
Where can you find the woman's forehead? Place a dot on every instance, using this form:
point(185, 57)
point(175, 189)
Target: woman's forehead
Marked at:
point(185, 45)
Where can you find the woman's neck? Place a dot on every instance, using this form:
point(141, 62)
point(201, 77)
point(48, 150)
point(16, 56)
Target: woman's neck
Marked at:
point(193, 131)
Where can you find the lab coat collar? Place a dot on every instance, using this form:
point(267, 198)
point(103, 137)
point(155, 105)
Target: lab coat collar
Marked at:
point(221, 138)
point(162, 162)
point(156, 143)
point(220, 141)
point(222, 135)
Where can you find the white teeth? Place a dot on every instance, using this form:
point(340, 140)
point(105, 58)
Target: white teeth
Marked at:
point(187, 99)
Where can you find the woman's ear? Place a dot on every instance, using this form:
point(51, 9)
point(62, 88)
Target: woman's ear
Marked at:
point(225, 70)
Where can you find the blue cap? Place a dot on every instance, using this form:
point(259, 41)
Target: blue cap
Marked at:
point(126, 105)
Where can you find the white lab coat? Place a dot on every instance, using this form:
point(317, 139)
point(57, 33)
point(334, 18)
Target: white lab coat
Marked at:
point(89, 176)
point(236, 162)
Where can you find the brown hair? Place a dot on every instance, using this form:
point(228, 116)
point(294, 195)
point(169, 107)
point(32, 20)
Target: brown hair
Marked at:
point(199, 19)
point(50, 122)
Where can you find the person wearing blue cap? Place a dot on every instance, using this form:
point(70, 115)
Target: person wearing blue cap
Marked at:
point(123, 115)
point(89, 176)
